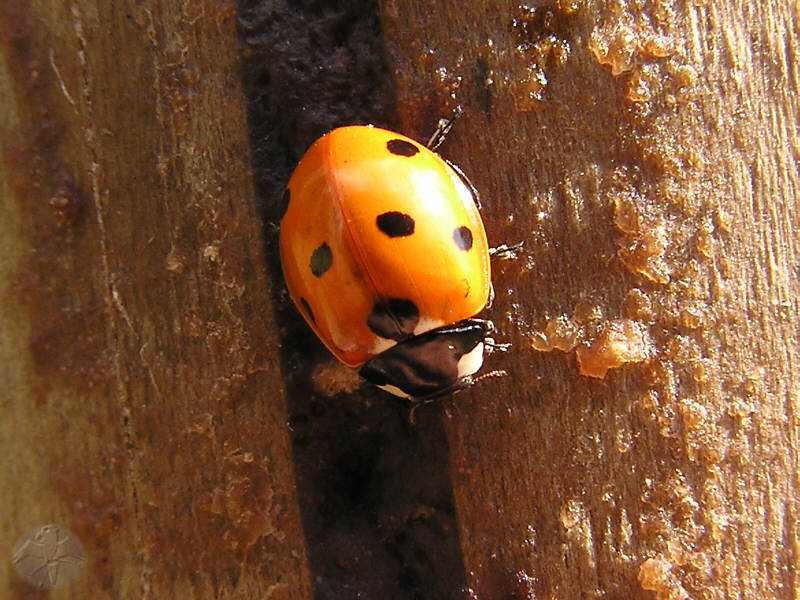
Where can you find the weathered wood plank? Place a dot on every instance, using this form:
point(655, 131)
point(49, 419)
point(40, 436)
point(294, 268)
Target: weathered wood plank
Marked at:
point(142, 400)
point(647, 156)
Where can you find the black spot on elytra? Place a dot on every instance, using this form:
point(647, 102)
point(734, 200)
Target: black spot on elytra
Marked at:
point(321, 260)
point(462, 236)
point(393, 319)
point(401, 147)
point(395, 224)
point(307, 308)
point(284, 205)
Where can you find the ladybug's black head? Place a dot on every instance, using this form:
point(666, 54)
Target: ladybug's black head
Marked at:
point(431, 364)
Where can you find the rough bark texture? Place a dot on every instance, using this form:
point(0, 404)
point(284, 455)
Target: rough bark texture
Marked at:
point(644, 444)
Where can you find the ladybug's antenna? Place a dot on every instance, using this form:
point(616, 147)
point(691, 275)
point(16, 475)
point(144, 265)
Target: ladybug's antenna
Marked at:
point(459, 386)
point(442, 129)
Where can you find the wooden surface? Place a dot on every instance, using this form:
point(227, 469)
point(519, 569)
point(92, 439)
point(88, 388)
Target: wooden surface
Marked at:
point(666, 194)
point(143, 402)
point(164, 401)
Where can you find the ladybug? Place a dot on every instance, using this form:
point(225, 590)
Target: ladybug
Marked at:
point(385, 255)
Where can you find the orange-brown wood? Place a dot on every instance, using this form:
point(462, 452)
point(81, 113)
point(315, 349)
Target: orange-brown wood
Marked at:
point(646, 155)
point(142, 406)
point(644, 444)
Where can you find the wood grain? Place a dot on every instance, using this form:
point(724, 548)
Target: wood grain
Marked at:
point(143, 409)
point(647, 157)
point(644, 443)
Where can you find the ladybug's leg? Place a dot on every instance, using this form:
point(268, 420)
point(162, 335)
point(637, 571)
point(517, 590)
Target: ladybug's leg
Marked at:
point(490, 345)
point(442, 129)
point(495, 373)
point(504, 251)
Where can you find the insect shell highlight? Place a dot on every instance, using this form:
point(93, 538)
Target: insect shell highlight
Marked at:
point(385, 255)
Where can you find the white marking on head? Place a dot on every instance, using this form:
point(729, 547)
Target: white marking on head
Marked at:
point(471, 362)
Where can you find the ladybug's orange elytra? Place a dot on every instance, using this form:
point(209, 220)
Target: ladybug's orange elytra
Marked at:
point(385, 254)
